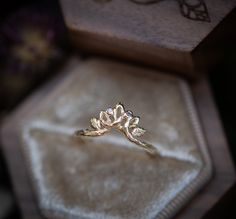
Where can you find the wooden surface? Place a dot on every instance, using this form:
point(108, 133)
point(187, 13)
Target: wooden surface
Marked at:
point(224, 175)
point(156, 34)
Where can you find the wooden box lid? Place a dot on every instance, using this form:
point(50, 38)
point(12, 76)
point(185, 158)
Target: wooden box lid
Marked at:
point(176, 35)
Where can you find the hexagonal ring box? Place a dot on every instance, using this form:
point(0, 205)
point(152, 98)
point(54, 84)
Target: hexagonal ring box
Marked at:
point(109, 177)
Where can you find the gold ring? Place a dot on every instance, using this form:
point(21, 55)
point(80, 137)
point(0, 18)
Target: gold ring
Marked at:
point(121, 120)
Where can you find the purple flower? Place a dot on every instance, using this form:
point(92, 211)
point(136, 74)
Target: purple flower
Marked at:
point(33, 39)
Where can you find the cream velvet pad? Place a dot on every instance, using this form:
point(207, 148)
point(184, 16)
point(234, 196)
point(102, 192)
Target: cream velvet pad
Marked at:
point(108, 177)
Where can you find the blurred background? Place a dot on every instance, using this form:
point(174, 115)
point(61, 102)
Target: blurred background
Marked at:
point(34, 45)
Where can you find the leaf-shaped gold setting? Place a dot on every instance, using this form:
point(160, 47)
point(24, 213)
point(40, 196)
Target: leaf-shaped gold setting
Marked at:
point(121, 120)
point(138, 131)
point(95, 123)
point(134, 122)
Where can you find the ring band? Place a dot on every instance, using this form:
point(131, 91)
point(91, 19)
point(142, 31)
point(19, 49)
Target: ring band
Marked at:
point(121, 120)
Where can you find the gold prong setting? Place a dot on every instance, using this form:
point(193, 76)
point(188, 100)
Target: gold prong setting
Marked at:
point(121, 120)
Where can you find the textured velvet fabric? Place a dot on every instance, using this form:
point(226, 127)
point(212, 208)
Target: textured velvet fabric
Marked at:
point(108, 177)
